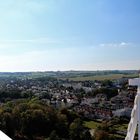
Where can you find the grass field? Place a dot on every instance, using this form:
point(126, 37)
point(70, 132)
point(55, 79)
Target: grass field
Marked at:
point(91, 124)
point(102, 77)
point(122, 127)
point(119, 127)
point(94, 125)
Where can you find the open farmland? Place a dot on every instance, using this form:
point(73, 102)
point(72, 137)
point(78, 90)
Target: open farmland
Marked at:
point(102, 77)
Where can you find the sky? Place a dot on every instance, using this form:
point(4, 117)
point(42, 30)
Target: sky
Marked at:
point(46, 35)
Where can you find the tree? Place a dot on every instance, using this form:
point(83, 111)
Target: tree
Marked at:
point(86, 135)
point(53, 136)
point(107, 83)
point(101, 135)
point(8, 125)
point(76, 128)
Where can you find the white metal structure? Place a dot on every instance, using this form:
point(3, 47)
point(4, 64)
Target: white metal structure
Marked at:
point(3, 136)
point(135, 115)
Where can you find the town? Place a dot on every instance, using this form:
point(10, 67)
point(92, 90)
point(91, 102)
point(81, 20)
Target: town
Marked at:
point(93, 101)
point(90, 99)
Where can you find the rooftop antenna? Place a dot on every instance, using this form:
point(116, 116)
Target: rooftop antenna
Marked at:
point(135, 114)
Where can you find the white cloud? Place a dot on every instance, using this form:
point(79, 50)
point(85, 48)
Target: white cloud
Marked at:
point(42, 41)
point(53, 59)
point(124, 44)
point(37, 40)
point(4, 44)
point(60, 59)
point(115, 45)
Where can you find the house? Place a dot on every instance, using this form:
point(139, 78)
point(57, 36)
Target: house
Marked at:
point(103, 113)
point(101, 97)
point(89, 101)
point(122, 112)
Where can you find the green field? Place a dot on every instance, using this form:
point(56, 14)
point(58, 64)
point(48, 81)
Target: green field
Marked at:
point(94, 125)
point(102, 77)
point(91, 124)
point(119, 127)
point(74, 75)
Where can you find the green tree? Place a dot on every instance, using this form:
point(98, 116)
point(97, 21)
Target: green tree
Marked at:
point(8, 124)
point(53, 136)
point(76, 128)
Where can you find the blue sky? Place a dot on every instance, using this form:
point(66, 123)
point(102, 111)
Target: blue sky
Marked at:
point(43, 35)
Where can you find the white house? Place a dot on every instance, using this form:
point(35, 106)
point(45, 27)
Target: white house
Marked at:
point(123, 112)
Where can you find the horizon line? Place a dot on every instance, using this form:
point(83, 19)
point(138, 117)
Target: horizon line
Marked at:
point(68, 70)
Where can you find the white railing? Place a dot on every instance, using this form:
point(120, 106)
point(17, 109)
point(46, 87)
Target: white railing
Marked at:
point(135, 114)
point(4, 136)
